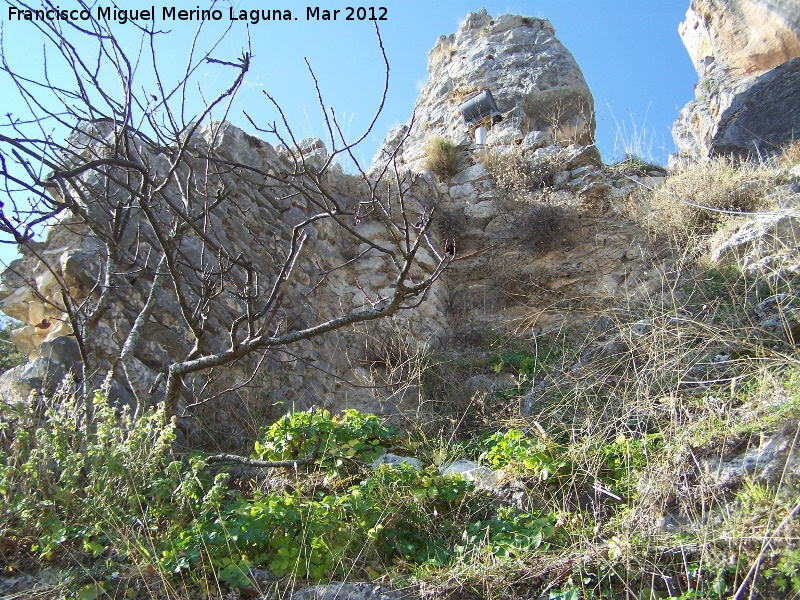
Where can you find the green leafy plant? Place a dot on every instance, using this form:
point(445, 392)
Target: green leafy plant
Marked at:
point(541, 457)
point(786, 572)
point(526, 363)
point(509, 534)
point(10, 355)
point(399, 515)
point(635, 165)
point(345, 439)
point(623, 460)
point(106, 489)
point(409, 499)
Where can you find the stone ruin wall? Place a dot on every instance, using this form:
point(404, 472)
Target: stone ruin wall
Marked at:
point(260, 215)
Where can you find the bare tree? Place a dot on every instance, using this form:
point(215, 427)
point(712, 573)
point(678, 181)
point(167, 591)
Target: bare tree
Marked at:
point(153, 190)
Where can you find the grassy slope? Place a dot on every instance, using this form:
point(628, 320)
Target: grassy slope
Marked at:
point(606, 439)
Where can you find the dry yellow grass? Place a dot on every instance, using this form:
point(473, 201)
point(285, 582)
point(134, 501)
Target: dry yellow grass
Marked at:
point(790, 154)
point(696, 200)
point(443, 156)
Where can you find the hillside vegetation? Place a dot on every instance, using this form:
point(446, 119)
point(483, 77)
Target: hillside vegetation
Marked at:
point(648, 454)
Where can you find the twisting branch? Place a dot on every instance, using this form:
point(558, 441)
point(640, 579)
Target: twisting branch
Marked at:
point(268, 464)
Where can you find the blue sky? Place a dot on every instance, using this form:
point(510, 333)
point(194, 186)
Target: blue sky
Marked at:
point(629, 51)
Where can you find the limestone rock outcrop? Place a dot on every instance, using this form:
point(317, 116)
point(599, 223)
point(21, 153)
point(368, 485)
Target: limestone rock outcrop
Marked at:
point(533, 206)
point(748, 37)
point(745, 55)
point(351, 591)
point(537, 85)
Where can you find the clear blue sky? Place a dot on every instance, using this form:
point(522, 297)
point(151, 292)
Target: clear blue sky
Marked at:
point(629, 51)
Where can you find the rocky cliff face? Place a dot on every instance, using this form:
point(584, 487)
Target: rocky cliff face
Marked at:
point(533, 207)
point(743, 51)
point(745, 37)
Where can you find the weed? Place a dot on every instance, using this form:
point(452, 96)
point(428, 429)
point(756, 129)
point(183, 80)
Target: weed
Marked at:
point(786, 572)
point(10, 355)
point(540, 457)
point(100, 492)
point(635, 141)
point(443, 157)
point(461, 93)
point(790, 154)
point(526, 362)
point(535, 221)
point(607, 445)
point(696, 201)
point(345, 439)
point(452, 223)
point(568, 119)
point(635, 165)
point(386, 519)
point(542, 227)
point(517, 175)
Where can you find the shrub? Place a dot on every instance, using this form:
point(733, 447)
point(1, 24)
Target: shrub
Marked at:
point(541, 457)
point(534, 220)
point(635, 165)
point(398, 516)
point(346, 438)
point(510, 170)
point(790, 154)
point(518, 175)
point(544, 226)
point(10, 355)
point(696, 200)
point(113, 494)
point(443, 156)
point(451, 223)
point(66, 488)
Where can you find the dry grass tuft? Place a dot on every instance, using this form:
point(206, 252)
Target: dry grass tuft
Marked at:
point(541, 227)
point(537, 222)
point(443, 156)
point(636, 166)
point(694, 202)
point(790, 154)
point(452, 223)
point(516, 174)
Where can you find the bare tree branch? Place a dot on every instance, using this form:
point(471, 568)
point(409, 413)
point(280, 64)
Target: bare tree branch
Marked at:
point(151, 196)
point(267, 464)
